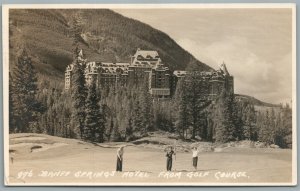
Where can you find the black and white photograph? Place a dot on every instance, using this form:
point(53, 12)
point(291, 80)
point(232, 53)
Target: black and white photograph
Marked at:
point(149, 94)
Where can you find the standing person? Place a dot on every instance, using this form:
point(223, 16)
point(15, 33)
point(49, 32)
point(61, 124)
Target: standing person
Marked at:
point(195, 157)
point(120, 153)
point(169, 156)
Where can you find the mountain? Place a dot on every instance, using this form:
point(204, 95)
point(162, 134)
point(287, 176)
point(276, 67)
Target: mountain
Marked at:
point(255, 101)
point(105, 35)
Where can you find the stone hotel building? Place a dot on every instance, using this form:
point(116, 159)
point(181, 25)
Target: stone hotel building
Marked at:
point(147, 64)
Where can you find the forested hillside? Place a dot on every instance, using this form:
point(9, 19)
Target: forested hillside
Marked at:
point(105, 36)
point(255, 101)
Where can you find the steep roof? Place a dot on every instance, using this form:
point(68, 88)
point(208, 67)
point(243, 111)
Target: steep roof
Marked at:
point(146, 53)
point(224, 69)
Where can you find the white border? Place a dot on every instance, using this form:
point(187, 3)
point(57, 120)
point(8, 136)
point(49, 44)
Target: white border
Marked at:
point(5, 24)
point(294, 97)
point(152, 6)
point(5, 53)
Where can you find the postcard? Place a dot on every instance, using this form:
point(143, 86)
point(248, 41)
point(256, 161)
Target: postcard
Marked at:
point(149, 94)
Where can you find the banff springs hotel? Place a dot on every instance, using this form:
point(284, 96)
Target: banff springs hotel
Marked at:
point(147, 63)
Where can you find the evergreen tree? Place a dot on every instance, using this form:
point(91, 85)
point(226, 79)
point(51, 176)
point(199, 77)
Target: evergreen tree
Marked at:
point(181, 105)
point(23, 94)
point(100, 130)
point(146, 108)
point(278, 138)
point(163, 115)
point(275, 127)
point(94, 120)
point(287, 126)
point(11, 107)
point(110, 129)
point(238, 113)
point(191, 95)
point(56, 120)
point(272, 126)
point(78, 94)
point(137, 121)
point(283, 131)
point(115, 136)
point(193, 90)
point(128, 121)
point(225, 129)
point(210, 122)
point(265, 130)
point(92, 110)
point(249, 121)
point(260, 124)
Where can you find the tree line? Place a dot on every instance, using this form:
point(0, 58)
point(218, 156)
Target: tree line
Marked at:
point(227, 118)
point(125, 113)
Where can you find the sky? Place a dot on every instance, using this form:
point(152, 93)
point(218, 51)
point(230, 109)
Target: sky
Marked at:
point(255, 44)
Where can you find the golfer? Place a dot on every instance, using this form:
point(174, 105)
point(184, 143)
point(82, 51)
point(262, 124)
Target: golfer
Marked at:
point(120, 153)
point(195, 157)
point(169, 156)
